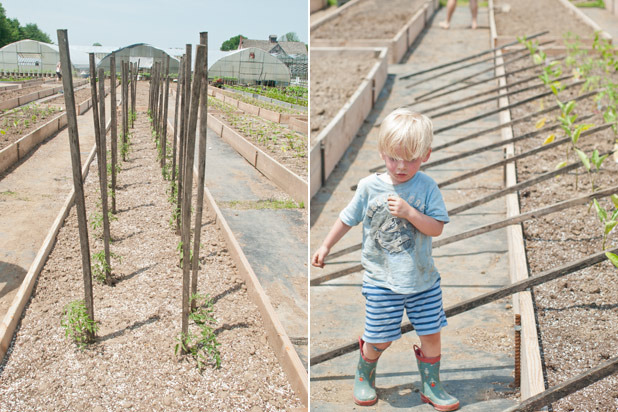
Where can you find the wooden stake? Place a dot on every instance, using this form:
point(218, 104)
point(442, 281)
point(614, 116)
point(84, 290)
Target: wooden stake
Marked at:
point(477, 231)
point(102, 159)
point(490, 112)
point(491, 99)
point(479, 62)
point(114, 126)
point(512, 122)
point(567, 387)
point(165, 107)
point(486, 298)
point(201, 167)
point(406, 76)
point(176, 109)
point(76, 164)
point(188, 185)
point(184, 117)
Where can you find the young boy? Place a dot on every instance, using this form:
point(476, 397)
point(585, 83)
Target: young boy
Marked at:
point(401, 210)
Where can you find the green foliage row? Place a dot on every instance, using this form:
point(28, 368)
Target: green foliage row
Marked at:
point(291, 94)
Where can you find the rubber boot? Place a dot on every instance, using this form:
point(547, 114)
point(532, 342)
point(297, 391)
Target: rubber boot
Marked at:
point(432, 391)
point(365, 379)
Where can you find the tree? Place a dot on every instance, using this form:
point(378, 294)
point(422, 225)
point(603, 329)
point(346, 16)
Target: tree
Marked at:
point(289, 36)
point(11, 31)
point(31, 31)
point(97, 44)
point(231, 43)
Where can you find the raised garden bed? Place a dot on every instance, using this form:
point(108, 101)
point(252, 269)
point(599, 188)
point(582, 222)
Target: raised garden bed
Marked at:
point(394, 24)
point(285, 145)
point(345, 83)
point(577, 325)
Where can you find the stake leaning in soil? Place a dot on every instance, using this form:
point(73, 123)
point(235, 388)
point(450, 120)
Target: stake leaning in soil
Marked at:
point(114, 125)
point(405, 76)
point(481, 300)
point(201, 167)
point(200, 56)
point(474, 232)
point(567, 387)
point(76, 164)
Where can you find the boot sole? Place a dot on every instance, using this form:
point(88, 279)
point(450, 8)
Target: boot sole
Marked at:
point(441, 408)
point(365, 403)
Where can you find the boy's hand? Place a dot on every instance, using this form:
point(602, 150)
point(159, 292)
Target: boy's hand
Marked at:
point(399, 207)
point(317, 259)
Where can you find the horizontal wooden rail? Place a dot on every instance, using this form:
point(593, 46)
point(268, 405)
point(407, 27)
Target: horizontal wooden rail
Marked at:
point(474, 56)
point(489, 297)
point(484, 229)
point(567, 387)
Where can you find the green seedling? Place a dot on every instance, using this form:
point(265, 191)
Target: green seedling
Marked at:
point(181, 252)
point(100, 269)
point(77, 324)
point(588, 162)
point(607, 219)
point(203, 347)
point(612, 258)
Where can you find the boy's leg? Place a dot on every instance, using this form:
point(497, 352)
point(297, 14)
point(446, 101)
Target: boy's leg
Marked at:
point(426, 314)
point(383, 313)
point(431, 345)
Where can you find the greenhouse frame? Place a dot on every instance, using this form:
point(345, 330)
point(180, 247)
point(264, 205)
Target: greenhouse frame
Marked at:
point(29, 56)
point(251, 66)
point(143, 53)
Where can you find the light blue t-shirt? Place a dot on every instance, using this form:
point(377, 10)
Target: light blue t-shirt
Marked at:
point(395, 254)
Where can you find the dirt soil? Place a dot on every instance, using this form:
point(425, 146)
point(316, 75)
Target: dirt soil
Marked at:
point(333, 81)
point(132, 365)
point(286, 146)
point(11, 94)
point(577, 314)
point(81, 95)
point(18, 123)
point(369, 19)
point(526, 17)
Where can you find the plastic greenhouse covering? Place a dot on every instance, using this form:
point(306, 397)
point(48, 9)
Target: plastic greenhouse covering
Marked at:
point(250, 65)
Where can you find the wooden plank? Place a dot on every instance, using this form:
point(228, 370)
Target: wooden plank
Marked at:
point(67, 81)
point(489, 297)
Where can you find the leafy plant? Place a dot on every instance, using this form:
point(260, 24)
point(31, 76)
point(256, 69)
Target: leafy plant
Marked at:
point(77, 324)
point(100, 269)
point(203, 346)
point(607, 219)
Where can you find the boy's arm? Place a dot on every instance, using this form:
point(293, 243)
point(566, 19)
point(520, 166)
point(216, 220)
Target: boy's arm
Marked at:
point(425, 224)
point(336, 233)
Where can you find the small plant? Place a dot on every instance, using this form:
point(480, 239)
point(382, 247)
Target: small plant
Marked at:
point(608, 220)
point(595, 160)
point(203, 347)
point(100, 269)
point(181, 252)
point(77, 324)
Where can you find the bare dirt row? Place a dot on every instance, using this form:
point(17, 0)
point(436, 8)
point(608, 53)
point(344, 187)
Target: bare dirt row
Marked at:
point(132, 365)
point(577, 316)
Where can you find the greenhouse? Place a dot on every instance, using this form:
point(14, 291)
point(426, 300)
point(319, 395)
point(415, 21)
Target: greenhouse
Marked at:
point(143, 53)
point(29, 56)
point(251, 66)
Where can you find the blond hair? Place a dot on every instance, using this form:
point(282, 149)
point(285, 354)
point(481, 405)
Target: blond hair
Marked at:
point(407, 133)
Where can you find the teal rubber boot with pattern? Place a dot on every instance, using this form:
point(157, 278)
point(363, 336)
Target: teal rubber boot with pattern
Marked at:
point(365, 380)
point(432, 391)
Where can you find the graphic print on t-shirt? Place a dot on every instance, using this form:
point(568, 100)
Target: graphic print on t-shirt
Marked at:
point(389, 232)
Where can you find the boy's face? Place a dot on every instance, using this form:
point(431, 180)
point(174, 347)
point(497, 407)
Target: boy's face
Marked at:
point(400, 171)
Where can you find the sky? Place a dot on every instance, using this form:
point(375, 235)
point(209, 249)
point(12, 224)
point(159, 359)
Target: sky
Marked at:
point(165, 24)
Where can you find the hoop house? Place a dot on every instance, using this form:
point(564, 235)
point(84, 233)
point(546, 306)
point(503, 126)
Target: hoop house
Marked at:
point(29, 56)
point(250, 66)
point(144, 53)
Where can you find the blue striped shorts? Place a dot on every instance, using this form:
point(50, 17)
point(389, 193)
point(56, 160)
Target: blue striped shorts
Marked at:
point(384, 311)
